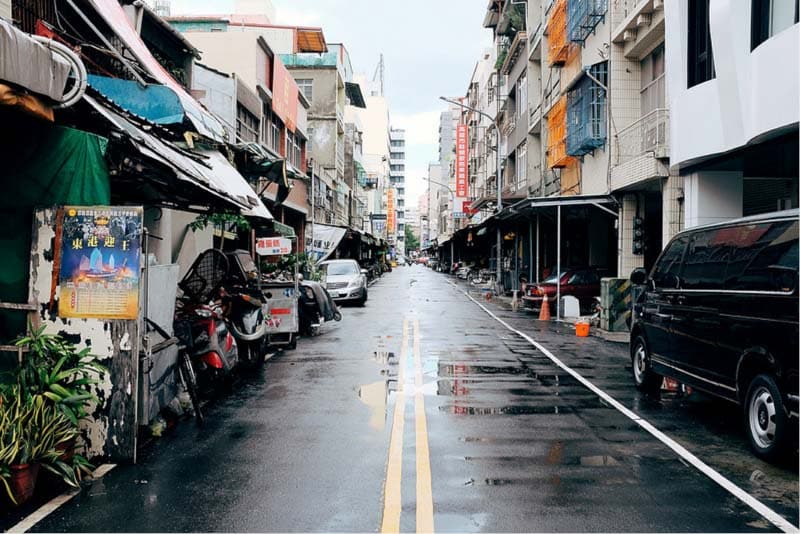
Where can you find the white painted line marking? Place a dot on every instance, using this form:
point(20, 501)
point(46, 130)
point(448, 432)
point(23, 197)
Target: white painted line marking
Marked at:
point(769, 514)
point(54, 504)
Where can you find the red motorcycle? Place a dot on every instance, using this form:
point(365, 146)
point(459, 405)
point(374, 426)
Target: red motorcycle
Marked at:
point(200, 324)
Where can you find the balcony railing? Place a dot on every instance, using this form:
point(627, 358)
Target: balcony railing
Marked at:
point(648, 134)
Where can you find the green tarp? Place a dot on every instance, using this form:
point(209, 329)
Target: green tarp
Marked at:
point(42, 165)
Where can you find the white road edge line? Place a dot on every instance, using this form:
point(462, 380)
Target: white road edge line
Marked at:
point(769, 514)
point(54, 504)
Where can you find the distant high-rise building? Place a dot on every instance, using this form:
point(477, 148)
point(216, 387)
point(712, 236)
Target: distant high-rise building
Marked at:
point(397, 179)
point(163, 8)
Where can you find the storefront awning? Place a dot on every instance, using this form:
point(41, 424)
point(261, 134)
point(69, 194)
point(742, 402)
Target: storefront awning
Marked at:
point(211, 177)
point(203, 122)
point(157, 103)
point(525, 208)
point(283, 229)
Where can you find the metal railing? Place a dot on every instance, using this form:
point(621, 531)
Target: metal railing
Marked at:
point(648, 134)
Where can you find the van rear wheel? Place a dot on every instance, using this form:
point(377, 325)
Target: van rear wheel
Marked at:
point(765, 420)
point(643, 376)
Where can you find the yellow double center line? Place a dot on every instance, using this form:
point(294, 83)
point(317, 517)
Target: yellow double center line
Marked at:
point(392, 505)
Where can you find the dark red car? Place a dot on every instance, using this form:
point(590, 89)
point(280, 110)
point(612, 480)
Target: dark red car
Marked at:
point(582, 283)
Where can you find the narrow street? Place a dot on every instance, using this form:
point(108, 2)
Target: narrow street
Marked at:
point(333, 436)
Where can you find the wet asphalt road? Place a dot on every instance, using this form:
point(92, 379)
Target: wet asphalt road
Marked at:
point(515, 444)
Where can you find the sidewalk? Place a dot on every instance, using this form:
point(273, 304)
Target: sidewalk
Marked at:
point(504, 302)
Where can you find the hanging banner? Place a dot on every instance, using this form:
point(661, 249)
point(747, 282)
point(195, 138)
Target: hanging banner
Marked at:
point(273, 246)
point(325, 240)
point(390, 213)
point(100, 260)
point(284, 95)
point(462, 154)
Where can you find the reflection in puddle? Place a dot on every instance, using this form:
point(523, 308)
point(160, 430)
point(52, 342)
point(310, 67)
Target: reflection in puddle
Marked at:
point(374, 396)
point(384, 357)
point(505, 410)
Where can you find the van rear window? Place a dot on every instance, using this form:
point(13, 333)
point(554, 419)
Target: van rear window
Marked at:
point(705, 261)
point(768, 262)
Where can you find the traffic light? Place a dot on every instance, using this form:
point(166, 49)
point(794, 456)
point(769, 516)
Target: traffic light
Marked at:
point(638, 236)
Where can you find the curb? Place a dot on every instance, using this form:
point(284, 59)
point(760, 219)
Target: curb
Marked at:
point(55, 503)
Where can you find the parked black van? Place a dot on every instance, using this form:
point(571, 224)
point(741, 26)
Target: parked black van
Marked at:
point(719, 312)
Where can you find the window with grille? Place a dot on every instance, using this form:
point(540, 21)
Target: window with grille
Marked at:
point(306, 86)
point(275, 134)
point(653, 88)
point(522, 96)
point(521, 165)
point(583, 16)
point(586, 112)
point(293, 150)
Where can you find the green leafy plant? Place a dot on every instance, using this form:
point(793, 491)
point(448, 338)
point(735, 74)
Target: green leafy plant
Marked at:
point(221, 220)
point(31, 431)
point(54, 368)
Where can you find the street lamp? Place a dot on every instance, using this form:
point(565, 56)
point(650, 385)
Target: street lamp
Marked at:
point(499, 178)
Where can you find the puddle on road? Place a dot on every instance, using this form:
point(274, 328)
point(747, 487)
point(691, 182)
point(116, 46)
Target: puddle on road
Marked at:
point(384, 357)
point(506, 410)
point(374, 396)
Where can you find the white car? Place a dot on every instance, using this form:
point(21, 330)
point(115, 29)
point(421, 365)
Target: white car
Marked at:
point(345, 280)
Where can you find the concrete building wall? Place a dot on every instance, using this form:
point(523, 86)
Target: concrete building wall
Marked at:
point(228, 52)
point(324, 90)
point(754, 92)
point(322, 134)
point(712, 196)
point(5, 9)
point(217, 92)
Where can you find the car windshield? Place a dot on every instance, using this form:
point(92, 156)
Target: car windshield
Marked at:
point(337, 269)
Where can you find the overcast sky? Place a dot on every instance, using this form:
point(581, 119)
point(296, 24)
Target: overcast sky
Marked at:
point(430, 48)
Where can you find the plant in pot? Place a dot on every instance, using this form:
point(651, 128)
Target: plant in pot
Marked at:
point(58, 379)
point(30, 432)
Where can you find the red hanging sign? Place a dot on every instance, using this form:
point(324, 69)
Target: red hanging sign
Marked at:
point(462, 153)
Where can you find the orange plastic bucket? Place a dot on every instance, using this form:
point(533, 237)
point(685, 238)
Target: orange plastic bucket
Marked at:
point(582, 329)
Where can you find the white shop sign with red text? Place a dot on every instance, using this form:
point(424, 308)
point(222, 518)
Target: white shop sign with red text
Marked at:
point(273, 246)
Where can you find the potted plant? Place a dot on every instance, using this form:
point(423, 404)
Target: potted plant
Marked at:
point(42, 405)
point(30, 432)
point(54, 368)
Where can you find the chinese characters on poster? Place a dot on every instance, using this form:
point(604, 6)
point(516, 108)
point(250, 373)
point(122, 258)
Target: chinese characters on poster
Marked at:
point(100, 259)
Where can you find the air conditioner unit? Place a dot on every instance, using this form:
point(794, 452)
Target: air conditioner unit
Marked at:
point(629, 35)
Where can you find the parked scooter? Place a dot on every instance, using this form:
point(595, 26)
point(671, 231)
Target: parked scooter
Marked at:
point(244, 308)
point(315, 307)
point(200, 324)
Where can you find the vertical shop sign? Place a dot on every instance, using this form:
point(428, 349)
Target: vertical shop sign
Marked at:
point(461, 160)
point(100, 261)
point(390, 213)
point(284, 95)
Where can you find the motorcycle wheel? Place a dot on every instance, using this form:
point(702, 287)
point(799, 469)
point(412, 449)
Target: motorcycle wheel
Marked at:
point(337, 316)
point(190, 383)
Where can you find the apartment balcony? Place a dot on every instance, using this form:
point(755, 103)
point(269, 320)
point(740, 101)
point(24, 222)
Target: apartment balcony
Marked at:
point(340, 120)
point(535, 120)
point(642, 24)
point(509, 124)
point(642, 151)
point(339, 156)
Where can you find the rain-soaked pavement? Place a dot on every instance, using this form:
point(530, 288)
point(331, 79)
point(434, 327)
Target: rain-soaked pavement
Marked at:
point(514, 442)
